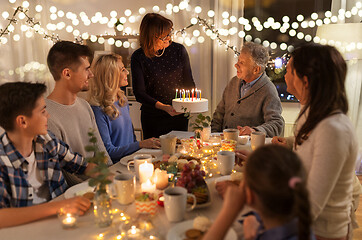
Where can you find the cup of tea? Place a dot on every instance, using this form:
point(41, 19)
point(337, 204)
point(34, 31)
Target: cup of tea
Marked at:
point(125, 187)
point(168, 144)
point(137, 161)
point(231, 134)
point(225, 162)
point(176, 203)
point(257, 139)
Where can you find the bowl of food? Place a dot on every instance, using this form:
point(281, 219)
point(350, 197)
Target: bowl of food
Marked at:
point(243, 140)
point(146, 203)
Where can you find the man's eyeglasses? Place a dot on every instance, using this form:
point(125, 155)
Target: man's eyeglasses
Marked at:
point(167, 36)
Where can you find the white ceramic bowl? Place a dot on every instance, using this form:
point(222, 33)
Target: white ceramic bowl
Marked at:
point(243, 140)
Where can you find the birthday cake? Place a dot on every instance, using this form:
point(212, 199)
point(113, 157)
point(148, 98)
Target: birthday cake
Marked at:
point(191, 105)
point(189, 101)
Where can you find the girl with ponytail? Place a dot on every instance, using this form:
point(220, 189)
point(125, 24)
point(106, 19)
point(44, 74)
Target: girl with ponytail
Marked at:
point(275, 186)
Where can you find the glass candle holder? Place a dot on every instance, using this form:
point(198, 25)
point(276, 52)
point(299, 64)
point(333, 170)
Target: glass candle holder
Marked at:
point(215, 140)
point(189, 145)
point(68, 216)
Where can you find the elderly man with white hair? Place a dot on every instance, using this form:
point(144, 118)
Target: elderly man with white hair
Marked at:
point(250, 101)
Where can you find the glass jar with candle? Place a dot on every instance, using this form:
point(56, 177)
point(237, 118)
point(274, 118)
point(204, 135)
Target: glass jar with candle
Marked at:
point(161, 179)
point(141, 227)
point(68, 216)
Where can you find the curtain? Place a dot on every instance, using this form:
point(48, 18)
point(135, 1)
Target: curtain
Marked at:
point(352, 32)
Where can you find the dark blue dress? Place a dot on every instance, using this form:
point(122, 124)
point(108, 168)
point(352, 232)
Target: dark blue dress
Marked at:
point(156, 79)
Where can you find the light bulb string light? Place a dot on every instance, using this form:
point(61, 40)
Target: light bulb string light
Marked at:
point(207, 26)
point(30, 22)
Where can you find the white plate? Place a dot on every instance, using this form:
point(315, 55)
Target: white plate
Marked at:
point(78, 190)
point(177, 232)
point(155, 152)
point(208, 203)
point(223, 178)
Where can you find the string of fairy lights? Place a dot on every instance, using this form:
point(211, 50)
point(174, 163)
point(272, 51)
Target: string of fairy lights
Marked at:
point(316, 19)
point(294, 29)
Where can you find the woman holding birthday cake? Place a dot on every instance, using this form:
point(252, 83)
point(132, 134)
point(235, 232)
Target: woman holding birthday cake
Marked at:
point(159, 67)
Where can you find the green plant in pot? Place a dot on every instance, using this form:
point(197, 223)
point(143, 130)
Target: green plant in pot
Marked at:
point(99, 178)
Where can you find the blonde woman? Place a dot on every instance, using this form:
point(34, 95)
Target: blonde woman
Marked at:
point(111, 109)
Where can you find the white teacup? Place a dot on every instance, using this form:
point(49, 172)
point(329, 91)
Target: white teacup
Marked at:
point(125, 187)
point(257, 139)
point(137, 161)
point(225, 162)
point(176, 202)
point(168, 144)
point(231, 134)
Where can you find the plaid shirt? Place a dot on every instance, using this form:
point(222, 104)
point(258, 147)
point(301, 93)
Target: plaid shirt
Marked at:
point(51, 156)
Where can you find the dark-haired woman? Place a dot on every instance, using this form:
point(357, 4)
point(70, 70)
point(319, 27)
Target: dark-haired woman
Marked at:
point(275, 186)
point(159, 67)
point(324, 136)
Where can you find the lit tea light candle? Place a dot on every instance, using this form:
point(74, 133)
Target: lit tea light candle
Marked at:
point(161, 179)
point(68, 216)
point(134, 233)
point(145, 171)
point(148, 187)
point(69, 220)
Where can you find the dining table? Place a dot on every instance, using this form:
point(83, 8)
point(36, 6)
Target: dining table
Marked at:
point(51, 227)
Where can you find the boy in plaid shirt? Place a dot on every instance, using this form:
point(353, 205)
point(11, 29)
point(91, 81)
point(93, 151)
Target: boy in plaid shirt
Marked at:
point(31, 158)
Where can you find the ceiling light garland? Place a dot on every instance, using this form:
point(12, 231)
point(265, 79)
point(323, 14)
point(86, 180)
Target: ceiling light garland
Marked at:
point(212, 33)
point(316, 19)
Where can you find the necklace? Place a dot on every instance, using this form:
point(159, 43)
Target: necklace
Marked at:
point(163, 50)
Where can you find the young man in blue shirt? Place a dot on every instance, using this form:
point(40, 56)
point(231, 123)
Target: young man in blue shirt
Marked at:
point(31, 158)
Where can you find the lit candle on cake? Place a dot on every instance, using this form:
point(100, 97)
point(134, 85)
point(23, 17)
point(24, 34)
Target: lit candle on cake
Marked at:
point(192, 94)
point(200, 94)
point(148, 187)
point(145, 171)
point(176, 93)
point(183, 94)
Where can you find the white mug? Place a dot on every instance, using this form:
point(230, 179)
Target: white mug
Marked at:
point(125, 186)
point(137, 161)
point(225, 162)
point(168, 144)
point(257, 139)
point(175, 203)
point(231, 134)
